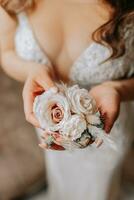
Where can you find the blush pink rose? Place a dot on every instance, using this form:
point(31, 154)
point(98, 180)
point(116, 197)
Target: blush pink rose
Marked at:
point(57, 113)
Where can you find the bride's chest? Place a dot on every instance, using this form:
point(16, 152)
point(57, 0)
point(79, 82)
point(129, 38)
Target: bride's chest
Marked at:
point(64, 32)
point(63, 36)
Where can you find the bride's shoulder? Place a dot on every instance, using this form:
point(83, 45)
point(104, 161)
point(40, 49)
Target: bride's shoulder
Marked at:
point(7, 30)
point(15, 6)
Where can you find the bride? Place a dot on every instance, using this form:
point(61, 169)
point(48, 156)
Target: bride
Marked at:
point(88, 42)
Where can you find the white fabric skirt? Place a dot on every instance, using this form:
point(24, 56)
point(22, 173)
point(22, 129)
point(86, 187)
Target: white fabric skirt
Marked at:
point(90, 173)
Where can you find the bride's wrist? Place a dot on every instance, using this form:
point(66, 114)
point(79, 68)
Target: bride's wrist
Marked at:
point(116, 85)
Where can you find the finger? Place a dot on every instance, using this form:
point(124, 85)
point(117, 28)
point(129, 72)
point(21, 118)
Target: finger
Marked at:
point(43, 146)
point(98, 142)
point(31, 119)
point(57, 147)
point(56, 138)
point(109, 121)
point(108, 126)
point(103, 116)
point(28, 99)
point(45, 81)
point(53, 147)
point(60, 140)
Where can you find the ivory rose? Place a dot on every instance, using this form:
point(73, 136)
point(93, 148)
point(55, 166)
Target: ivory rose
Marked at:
point(80, 100)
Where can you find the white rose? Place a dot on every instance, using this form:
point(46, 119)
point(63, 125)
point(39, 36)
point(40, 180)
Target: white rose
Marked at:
point(52, 110)
point(80, 100)
point(74, 127)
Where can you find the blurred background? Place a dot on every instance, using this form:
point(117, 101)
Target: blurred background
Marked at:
point(21, 160)
point(22, 174)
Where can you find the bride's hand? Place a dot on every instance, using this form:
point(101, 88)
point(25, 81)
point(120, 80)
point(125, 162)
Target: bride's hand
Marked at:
point(108, 102)
point(39, 80)
point(57, 142)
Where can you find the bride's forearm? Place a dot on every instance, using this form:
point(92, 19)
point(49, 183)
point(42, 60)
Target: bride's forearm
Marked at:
point(15, 67)
point(124, 87)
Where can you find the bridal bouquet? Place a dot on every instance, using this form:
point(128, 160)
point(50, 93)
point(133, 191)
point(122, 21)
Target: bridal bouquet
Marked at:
point(72, 113)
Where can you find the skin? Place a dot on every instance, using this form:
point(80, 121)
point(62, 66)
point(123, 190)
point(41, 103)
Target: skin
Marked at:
point(63, 37)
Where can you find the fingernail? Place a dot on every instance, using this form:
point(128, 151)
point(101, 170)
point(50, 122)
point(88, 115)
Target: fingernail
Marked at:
point(43, 137)
point(54, 89)
point(43, 146)
point(56, 135)
point(107, 131)
point(58, 139)
point(98, 142)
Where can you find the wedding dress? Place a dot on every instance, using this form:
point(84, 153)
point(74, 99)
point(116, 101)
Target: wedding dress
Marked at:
point(88, 174)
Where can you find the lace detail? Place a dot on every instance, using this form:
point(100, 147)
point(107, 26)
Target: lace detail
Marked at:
point(26, 44)
point(89, 69)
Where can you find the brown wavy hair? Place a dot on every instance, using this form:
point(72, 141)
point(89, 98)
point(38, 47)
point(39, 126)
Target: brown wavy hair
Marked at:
point(16, 6)
point(108, 34)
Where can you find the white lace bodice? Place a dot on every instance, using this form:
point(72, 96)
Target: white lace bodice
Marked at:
point(87, 70)
point(26, 45)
